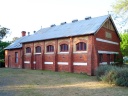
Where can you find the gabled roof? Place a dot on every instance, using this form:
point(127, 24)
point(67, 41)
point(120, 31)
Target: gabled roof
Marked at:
point(82, 27)
point(77, 28)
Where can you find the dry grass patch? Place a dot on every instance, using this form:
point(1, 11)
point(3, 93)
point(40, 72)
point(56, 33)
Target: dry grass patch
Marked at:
point(23, 82)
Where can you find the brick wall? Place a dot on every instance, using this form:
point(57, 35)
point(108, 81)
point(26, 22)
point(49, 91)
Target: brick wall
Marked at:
point(109, 44)
point(10, 58)
point(72, 60)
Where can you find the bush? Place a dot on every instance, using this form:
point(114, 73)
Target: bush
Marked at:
point(113, 75)
point(103, 70)
point(122, 77)
point(109, 77)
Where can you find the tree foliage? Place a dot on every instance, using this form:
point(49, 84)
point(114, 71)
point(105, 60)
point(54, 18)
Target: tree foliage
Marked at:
point(3, 32)
point(120, 8)
point(124, 43)
point(2, 46)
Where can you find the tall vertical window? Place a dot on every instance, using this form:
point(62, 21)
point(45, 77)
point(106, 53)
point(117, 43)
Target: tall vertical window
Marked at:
point(16, 57)
point(50, 48)
point(63, 47)
point(38, 49)
point(100, 58)
point(28, 50)
point(81, 46)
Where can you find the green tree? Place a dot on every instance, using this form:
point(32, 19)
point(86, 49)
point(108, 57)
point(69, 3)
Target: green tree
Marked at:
point(124, 43)
point(3, 32)
point(2, 46)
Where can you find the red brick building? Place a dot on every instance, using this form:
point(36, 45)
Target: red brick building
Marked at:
point(79, 46)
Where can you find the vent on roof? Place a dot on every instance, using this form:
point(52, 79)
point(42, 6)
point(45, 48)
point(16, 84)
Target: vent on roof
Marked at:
point(28, 33)
point(53, 25)
point(87, 18)
point(63, 23)
point(34, 31)
point(73, 21)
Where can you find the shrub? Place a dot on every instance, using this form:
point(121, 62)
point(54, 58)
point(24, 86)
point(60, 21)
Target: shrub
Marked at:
point(113, 75)
point(122, 77)
point(103, 70)
point(110, 76)
point(125, 65)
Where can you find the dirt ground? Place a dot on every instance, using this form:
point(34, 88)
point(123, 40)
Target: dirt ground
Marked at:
point(23, 82)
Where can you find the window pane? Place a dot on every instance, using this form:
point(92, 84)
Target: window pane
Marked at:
point(28, 50)
point(84, 46)
point(47, 48)
point(64, 47)
point(100, 58)
point(50, 48)
point(77, 47)
point(38, 49)
point(81, 46)
point(115, 57)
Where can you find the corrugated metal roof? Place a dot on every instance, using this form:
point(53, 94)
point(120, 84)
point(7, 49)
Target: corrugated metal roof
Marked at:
point(16, 44)
point(82, 27)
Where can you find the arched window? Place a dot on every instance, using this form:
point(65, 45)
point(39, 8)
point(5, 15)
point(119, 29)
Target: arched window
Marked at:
point(28, 50)
point(63, 47)
point(38, 49)
point(50, 48)
point(81, 46)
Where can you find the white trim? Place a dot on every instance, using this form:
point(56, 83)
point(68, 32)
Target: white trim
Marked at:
point(106, 41)
point(63, 53)
point(49, 53)
point(103, 63)
point(80, 52)
point(112, 62)
point(27, 62)
point(108, 52)
point(27, 53)
point(34, 62)
point(62, 63)
point(79, 63)
point(48, 62)
point(37, 53)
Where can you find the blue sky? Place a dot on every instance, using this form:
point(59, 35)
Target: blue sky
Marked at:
point(30, 15)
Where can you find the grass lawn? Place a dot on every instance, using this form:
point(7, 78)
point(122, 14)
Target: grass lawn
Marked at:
point(23, 82)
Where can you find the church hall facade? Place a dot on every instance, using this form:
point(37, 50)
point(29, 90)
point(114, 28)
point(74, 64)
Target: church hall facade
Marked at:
point(80, 46)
